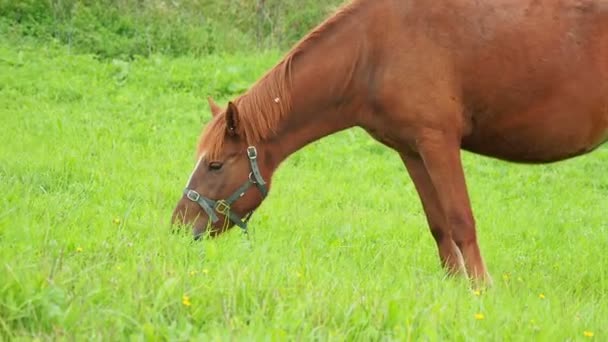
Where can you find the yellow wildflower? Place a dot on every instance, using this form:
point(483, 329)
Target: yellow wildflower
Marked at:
point(79, 249)
point(186, 300)
point(588, 333)
point(116, 220)
point(477, 293)
point(541, 296)
point(193, 273)
point(479, 316)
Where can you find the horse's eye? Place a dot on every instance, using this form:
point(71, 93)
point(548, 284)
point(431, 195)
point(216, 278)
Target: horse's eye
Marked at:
point(214, 166)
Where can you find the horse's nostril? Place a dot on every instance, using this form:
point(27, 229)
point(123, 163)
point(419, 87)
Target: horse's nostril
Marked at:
point(198, 230)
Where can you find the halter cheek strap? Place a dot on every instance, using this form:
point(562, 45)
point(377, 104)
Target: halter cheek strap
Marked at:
point(223, 206)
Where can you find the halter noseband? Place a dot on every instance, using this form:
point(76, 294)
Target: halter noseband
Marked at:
point(222, 206)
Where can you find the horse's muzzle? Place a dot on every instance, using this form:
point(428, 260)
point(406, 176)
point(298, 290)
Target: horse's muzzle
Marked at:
point(187, 214)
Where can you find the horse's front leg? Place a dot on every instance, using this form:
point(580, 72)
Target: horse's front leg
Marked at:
point(440, 152)
point(450, 256)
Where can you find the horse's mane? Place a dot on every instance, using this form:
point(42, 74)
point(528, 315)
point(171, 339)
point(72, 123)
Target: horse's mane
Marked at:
point(261, 108)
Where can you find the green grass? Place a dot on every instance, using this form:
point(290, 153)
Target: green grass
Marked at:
point(93, 158)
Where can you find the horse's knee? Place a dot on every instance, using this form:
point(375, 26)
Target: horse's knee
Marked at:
point(463, 229)
point(438, 233)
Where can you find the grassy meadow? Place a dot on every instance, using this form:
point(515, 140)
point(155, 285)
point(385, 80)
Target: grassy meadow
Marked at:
point(94, 154)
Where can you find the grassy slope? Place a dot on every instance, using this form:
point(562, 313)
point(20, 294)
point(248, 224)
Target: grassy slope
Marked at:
point(93, 156)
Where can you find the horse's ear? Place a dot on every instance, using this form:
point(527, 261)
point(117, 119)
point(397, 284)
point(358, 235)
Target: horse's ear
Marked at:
point(215, 109)
point(232, 117)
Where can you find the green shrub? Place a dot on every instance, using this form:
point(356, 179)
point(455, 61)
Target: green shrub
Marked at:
point(126, 28)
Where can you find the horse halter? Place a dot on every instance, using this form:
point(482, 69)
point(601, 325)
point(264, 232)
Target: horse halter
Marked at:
point(222, 206)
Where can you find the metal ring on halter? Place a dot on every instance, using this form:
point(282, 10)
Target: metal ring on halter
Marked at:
point(193, 195)
point(222, 207)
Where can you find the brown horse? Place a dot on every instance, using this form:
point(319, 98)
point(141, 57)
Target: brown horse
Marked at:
point(519, 80)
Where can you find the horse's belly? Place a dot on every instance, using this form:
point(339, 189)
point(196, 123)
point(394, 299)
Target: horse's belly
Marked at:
point(534, 138)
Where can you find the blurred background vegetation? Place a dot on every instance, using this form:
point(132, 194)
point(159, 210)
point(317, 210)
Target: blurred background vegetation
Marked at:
point(129, 28)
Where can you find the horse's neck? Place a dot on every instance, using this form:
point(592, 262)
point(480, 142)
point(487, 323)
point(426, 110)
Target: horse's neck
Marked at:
point(325, 91)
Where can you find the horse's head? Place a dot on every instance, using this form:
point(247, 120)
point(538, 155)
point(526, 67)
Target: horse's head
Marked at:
point(228, 181)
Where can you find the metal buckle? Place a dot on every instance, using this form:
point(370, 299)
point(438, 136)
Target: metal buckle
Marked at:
point(252, 178)
point(222, 207)
point(252, 153)
point(193, 195)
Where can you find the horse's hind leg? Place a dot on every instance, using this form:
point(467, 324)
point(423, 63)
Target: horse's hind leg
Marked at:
point(450, 256)
point(440, 152)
